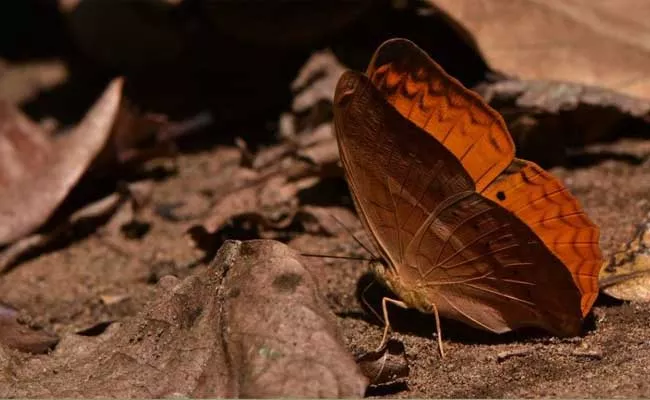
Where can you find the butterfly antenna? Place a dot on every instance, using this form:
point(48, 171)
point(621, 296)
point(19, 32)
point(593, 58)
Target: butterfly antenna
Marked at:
point(363, 298)
point(328, 256)
point(356, 239)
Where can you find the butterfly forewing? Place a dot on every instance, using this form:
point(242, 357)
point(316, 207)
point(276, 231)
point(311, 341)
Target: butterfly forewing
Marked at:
point(425, 94)
point(394, 188)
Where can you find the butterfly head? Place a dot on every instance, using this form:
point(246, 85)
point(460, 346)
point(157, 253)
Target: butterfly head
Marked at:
point(378, 268)
point(384, 274)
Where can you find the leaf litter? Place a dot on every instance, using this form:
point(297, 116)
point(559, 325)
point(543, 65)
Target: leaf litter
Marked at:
point(250, 325)
point(111, 342)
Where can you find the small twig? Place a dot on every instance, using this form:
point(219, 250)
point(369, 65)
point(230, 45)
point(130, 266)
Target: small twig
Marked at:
point(504, 355)
point(592, 354)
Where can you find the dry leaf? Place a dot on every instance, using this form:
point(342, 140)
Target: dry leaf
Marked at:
point(270, 204)
point(22, 82)
point(601, 43)
point(285, 341)
point(386, 366)
point(16, 335)
point(546, 118)
point(626, 275)
point(316, 81)
point(272, 195)
point(251, 325)
point(137, 192)
point(37, 172)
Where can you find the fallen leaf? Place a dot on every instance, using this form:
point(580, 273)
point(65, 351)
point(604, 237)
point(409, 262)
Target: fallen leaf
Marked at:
point(323, 153)
point(251, 325)
point(22, 82)
point(18, 336)
point(268, 204)
point(138, 195)
point(272, 195)
point(548, 117)
point(626, 275)
point(192, 206)
point(94, 211)
point(386, 366)
point(37, 172)
point(131, 129)
point(285, 341)
point(316, 81)
point(590, 42)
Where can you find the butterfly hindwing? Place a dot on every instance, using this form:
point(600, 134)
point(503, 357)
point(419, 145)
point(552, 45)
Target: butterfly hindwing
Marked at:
point(476, 252)
point(548, 208)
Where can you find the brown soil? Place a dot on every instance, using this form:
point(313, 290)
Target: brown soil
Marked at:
point(62, 290)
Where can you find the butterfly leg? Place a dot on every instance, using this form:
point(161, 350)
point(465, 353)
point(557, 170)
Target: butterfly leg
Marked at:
point(384, 304)
point(439, 331)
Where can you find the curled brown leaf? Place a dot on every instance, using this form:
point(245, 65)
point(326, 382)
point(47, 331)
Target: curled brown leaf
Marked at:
point(37, 172)
point(386, 366)
point(626, 275)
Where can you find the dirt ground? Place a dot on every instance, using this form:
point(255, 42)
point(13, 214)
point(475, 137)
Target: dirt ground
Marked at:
point(92, 281)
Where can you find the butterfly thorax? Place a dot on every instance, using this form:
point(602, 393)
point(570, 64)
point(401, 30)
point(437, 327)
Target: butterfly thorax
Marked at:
point(407, 292)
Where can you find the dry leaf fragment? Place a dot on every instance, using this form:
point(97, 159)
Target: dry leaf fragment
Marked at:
point(16, 335)
point(253, 324)
point(37, 172)
point(626, 275)
point(386, 366)
point(556, 96)
point(270, 203)
point(137, 192)
point(316, 81)
point(548, 117)
point(590, 42)
point(22, 82)
point(270, 195)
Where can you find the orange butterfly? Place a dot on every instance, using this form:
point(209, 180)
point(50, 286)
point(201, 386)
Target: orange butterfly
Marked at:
point(466, 230)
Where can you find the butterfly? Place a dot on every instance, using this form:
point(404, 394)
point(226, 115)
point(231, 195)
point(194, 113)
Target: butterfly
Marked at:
point(465, 230)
